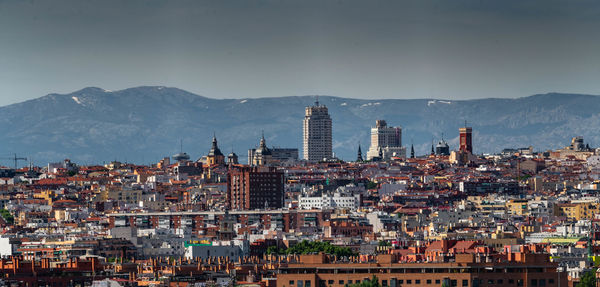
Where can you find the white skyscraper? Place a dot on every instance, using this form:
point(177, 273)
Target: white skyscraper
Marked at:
point(317, 133)
point(386, 142)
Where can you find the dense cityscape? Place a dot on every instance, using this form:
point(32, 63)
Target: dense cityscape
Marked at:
point(390, 218)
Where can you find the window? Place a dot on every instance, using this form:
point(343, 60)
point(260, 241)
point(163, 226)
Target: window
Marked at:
point(349, 281)
point(490, 281)
point(465, 283)
point(341, 282)
point(511, 281)
point(428, 281)
point(330, 282)
point(534, 282)
point(520, 282)
point(500, 281)
point(550, 281)
point(400, 281)
point(417, 281)
point(384, 283)
point(542, 282)
point(291, 282)
point(301, 283)
point(437, 281)
point(408, 281)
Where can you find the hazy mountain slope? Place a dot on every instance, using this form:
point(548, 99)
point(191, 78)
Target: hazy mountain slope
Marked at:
point(146, 123)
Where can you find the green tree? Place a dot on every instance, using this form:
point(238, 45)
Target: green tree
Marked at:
point(384, 243)
point(588, 279)
point(8, 217)
point(373, 282)
point(308, 247)
point(371, 185)
point(272, 250)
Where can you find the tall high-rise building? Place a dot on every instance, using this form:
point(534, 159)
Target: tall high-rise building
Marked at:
point(466, 139)
point(317, 133)
point(251, 188)
point(386, 141)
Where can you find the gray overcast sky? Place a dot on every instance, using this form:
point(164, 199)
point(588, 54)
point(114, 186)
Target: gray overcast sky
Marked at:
point(362, 49)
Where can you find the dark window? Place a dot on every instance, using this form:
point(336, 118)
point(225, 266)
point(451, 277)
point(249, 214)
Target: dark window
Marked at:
point(400, 281)
point(542, 282)
point(453, 283)
point(520, 282)
point(490, 281)
point(437, 281)
point(500, 281)
point(291, 282)
point(465, 283)
point(534, 282)
point(300, 283)
point(349, 281)
point(384, 283)
point(341, 282)
point(511, 281)
point(330, 282)
point(428, 281)
point(417, 281)
point(408, 281)
point(550, 281)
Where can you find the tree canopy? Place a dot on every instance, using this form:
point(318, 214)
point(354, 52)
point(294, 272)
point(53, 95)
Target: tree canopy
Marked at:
point(309, 247)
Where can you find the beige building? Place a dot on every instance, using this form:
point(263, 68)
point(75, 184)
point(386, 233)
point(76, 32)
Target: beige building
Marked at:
point(317, 133)
point(386, 142)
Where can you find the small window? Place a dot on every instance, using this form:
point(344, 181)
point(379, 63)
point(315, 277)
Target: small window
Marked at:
point(291, 282)
point(550, 281)
point(417, 281)
point(511, 281)
point(408, 281)
point(465, 283)
point(428, 281)
point(534, 282)
point(400, 281)
point(384, 283)
point(341, 282)
point(330, 282)
point(500, 281)
point(437, 281)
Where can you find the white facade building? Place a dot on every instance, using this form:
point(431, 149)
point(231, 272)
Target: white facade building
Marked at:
point(335, 200)
point(386, 142)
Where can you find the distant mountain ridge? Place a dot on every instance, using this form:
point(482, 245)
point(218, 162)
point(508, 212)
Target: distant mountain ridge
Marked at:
point(144, 124)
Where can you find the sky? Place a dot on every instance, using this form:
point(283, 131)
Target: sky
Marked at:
point(244, 49)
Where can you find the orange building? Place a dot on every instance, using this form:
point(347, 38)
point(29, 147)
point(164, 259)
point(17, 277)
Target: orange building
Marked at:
point(513, 269)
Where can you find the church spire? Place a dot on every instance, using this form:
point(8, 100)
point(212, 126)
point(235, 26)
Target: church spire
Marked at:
point(359, 157)
point(412, 151)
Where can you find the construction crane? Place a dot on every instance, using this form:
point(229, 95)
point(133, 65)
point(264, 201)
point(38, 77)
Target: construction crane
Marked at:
point(16, 159)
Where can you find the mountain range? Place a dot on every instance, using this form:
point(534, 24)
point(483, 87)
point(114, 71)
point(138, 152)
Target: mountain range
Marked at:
point(144, 124)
